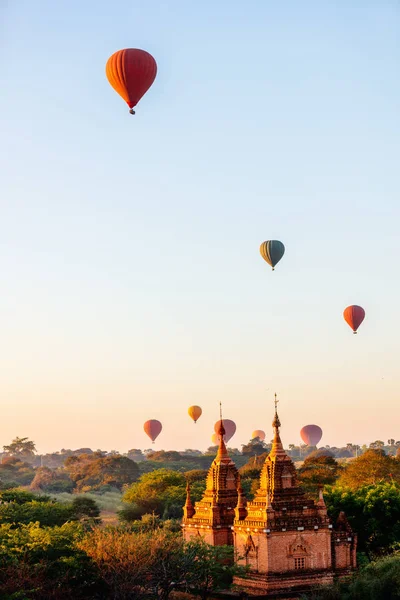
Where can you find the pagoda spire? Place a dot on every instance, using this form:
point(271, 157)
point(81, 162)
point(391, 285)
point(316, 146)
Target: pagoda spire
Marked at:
point(277, 446)
point(222, 454)
point(188, 509)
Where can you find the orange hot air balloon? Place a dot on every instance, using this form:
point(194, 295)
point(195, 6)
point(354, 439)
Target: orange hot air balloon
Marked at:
point(215, 438)
point(152, 428)
point(229, 426)
point(258, 433)
point(131, 72)
point(354, 315)
point(311, 434)
point(194, 412)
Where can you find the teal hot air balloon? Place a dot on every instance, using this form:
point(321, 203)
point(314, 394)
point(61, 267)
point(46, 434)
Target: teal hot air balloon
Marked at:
point(272, 252)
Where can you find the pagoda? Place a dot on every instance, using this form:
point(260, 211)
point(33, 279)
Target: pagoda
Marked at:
point(212, 517)
point(287, 540)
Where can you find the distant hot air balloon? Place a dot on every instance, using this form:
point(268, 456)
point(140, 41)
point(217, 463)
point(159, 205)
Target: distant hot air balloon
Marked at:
point(229, 426)
point(354, 316)
point(152, 428)
point(194, 412)
point(215, 438)
point(311, 434)
point(131, 72)
point(272, 252)
point(258, 433)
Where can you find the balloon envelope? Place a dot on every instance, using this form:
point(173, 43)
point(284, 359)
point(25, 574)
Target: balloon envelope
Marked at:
point(215, 438)
point(311, 434)
point(229, 426)
point(131, 72)
point(194, 412)
point(258, 433)
point(354, 316)
point(272, 252)
point(152, 428)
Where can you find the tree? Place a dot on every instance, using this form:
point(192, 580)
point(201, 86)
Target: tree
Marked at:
point(255, 447)
point(21, 447)
point(370, 468)
point(84, 507)
point(157, 490)
point(15, 472)
point(94, 472)
point(373, 512)
point(213, 567)
point(380, 580)
point(52, 480)
point(43, 562)
point(319, 468)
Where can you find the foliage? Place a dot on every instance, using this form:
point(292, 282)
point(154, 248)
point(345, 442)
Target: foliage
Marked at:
point(255, 447)
point(19, 507)
point(379, 580)
point(213, 567)
point(20, 447)
point(108, 501)
point(15, 472)
point(373, 512)
point(40, 563)
point(85, 507)
point(165, 456)
point(162, 491)
point(52, 480)
point(317, 469)
point(134, 564)
point(21, 496)
point(45, 513)
point(370, 468)
point(92, 472)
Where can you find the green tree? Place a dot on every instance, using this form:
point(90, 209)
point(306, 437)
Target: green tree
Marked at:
point(213, 567)
point(370, 468)
point(40, 563)
point(373, 512)
point(380, 580)
point(317, 469)
point(84, 507)
point(21, 447)
point(94, 472)
point(52, 480)
point(156, 490)
point(15, 472)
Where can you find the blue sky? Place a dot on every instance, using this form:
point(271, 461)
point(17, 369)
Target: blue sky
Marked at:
point(132, 284)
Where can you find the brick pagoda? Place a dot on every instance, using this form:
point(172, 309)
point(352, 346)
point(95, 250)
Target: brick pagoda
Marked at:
point(286, 539)
point(212, 517)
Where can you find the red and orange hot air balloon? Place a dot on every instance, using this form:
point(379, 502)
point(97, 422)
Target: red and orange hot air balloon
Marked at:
point(153, 429)
point(354, 315)
point(194, 412)
point(131, 72)
point(229, 426)
point(311, 434)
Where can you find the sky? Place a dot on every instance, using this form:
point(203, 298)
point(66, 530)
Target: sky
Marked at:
point(131, 280)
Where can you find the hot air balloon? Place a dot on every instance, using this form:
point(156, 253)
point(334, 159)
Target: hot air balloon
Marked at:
point(272, 252)
point(258, 433)
point(152, 428)
point(229, 426)
point(194, 412)
point(131, 72)
point(311, 434)
point(215, 438)
point(354, 316)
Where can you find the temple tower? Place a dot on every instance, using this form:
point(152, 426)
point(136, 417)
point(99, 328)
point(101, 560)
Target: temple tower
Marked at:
point(286, 538)
point(212, 517)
